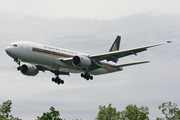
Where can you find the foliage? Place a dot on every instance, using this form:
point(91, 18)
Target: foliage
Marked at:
point(132, 112)
point(170, 111)
point(5, 110)
point(160, 118)
point(108, 113)
point(52, 115)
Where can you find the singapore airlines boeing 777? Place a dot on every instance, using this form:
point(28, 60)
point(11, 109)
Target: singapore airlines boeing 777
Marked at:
point(40, 57)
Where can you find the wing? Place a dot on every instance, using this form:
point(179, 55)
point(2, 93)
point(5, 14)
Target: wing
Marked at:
point(114, 55)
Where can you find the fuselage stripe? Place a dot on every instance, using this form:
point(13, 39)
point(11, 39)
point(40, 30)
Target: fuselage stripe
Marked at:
point(105, 64)
point(50, 52)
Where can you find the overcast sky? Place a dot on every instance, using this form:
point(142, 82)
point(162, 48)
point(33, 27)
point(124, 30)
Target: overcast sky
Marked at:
point(91, 27)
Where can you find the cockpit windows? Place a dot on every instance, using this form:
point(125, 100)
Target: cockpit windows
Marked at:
point(14, 45)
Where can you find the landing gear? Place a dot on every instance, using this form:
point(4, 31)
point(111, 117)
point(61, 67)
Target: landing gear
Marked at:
point(19, 63)
point(19, 68)
point(57, 79)
point(86, 76)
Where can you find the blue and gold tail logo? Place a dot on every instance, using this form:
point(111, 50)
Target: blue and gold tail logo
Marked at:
point(115, 46)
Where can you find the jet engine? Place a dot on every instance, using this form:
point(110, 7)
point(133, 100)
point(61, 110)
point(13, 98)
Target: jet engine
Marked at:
point(28, 69)
point(81, 61)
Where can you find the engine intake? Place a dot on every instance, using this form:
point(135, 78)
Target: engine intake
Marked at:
point(81, 61)
point(30, 70)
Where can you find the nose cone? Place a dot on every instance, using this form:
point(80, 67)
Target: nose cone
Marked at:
point(7, 50)
point(11, 52)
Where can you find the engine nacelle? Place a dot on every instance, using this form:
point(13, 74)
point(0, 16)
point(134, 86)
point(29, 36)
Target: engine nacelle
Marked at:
point(30, 70)
point(81, 61)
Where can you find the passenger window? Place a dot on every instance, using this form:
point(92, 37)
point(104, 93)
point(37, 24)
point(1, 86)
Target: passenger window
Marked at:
point(15, 45)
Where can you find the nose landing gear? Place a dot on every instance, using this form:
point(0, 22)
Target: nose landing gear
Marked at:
point(19, 63)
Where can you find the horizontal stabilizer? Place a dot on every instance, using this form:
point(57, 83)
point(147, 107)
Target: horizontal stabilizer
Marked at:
point(129, 64)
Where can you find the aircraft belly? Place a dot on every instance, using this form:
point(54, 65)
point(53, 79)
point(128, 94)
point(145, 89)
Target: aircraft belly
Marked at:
point(69, 70)
point(67, 67)
point(99, 71)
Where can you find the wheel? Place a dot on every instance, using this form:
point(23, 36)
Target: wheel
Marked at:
point(91, 77)
point(18, 68)
point(56, 80)
point(53, 79)
point(62, 81)
point(82, 75)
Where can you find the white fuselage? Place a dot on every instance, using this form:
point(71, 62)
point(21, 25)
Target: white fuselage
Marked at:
point(51, 57)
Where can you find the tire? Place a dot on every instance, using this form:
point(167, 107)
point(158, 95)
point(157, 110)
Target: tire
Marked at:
point(62, 81)
point(18, 68)
point(53, 79)
point(91, 77)
point(82, 75)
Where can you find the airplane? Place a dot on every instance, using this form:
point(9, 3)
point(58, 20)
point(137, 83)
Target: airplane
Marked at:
point(39, 57)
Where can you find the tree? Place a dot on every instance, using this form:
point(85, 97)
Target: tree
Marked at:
point(158, 118)
point(52, 115)
point(132, 112)
point(5, 110)
point(170, 111)
point(108, 113)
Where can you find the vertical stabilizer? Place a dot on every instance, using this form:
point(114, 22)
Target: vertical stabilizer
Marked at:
point(115, 46)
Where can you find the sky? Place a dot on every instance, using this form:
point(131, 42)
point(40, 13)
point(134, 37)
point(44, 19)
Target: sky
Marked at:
point(91, 27)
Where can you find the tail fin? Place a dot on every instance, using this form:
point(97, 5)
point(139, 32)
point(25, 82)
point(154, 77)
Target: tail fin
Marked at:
point(115, 46)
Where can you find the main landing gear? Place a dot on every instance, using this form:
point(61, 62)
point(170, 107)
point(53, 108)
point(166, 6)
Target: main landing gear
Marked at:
point(86, 76)
point(57, 79)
